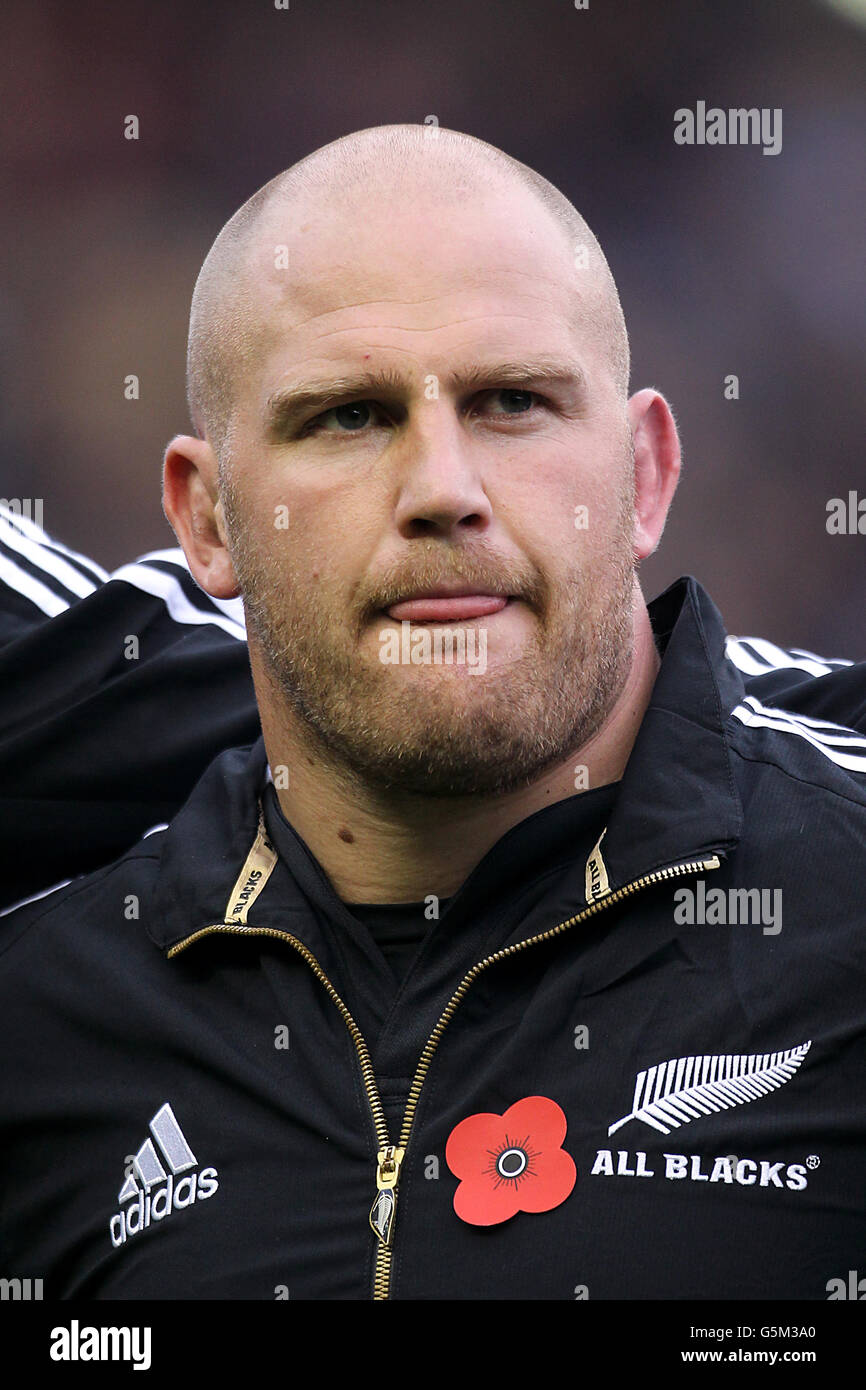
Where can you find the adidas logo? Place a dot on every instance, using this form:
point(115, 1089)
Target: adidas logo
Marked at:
point(173, 1192)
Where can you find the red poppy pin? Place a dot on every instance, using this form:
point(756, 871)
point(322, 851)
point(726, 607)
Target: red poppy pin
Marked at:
point(510, 1163)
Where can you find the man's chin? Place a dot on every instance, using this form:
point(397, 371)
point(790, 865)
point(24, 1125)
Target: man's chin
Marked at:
point(440, 772)
point(433, 739)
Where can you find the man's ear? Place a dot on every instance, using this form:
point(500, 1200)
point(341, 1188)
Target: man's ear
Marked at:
point(190, 500)
point(656, 466)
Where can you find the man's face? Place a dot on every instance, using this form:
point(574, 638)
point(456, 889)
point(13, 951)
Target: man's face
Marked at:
point(453, 473)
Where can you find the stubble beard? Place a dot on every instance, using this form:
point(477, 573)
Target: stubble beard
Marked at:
point(438, 730)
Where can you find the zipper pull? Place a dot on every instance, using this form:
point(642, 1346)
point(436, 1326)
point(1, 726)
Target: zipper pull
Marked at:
point(382, 1210)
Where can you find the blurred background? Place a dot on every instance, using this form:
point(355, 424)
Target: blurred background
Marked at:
point(728, 261)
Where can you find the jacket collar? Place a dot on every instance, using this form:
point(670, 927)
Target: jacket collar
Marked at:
point(676, 802)
point(678, 799)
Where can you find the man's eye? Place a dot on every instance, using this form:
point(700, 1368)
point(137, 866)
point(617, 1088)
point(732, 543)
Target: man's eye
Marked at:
point(521, 401)
point(348, 419)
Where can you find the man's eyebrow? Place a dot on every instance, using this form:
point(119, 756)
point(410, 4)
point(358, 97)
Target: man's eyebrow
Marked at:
point(290, 402)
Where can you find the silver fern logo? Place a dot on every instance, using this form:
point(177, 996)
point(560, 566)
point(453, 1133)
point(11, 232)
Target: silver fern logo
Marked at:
point(675, 1092)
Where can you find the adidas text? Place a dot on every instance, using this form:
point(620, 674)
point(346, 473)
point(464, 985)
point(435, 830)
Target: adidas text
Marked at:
point(148, 1207)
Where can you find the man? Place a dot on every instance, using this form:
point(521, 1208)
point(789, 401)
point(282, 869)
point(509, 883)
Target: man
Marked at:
point(519, 959)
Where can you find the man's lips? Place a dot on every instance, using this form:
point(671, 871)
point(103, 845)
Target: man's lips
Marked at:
point(450, 608)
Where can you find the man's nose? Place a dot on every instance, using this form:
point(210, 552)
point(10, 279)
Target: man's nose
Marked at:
point(440, 485)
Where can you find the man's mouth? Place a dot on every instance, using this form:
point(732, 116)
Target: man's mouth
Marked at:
point(438, 606)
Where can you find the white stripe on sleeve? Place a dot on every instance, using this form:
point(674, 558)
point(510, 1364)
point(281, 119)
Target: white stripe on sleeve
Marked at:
point(46, 559)
point(169, 589)
point(12, 524)
point(766, 656)
point(829, 739)
point(31, 588)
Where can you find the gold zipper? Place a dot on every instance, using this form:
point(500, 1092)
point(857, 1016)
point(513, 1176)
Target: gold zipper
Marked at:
point(390, 1156)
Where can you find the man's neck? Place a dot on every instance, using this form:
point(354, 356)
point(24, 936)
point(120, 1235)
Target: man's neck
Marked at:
point(380, 846)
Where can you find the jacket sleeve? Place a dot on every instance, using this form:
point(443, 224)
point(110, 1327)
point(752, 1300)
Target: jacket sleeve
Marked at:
point(116, 692)
point(39, 577)
point(801, 682)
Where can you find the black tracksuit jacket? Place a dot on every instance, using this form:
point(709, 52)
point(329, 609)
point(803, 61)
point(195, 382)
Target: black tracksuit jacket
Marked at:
point(209, 1071)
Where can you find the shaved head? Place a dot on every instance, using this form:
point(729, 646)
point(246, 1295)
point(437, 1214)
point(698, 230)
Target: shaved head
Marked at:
point(408, 369)
point(227, 321)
